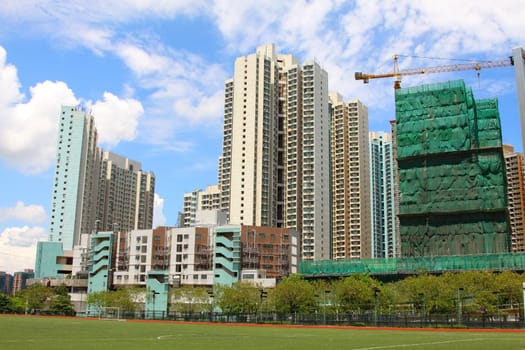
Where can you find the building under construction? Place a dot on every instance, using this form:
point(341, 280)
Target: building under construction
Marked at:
point(451, 172)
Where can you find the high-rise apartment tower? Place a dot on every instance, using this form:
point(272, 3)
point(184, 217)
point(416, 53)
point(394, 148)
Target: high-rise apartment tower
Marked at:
point(351, 231)
point(75, 185)
point(94, 190)
point(382, 176)
point(274, 168)
point(515, 172)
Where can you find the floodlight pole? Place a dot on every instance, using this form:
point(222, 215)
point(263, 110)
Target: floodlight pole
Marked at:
point(523, 302)
point(459, 307)
point(519, 71)
point(376, 292)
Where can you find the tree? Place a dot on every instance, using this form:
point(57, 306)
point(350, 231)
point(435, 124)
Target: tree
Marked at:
point(240, 297)
point(424, 292)
point(356, 293)
point(61, 305)
point(508, 287)
point(189, 299)
point(36, 297)
point(6, 304)
point(123, 298)
point(294, 294)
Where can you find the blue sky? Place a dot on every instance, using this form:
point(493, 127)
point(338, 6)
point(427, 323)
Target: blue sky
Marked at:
point(152, 72)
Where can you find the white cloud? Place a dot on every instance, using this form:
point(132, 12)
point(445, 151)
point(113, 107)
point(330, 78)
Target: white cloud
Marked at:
point(28, 132)
point(142, 62)
point(9, 84)
point(29, 126)
point(116, 119)
point(158, 215)
point(34, 214)
point(186, 91)
point(22, 236)
point(200, 108)
point(18, 247)
point(342, 36)
point(180, 82)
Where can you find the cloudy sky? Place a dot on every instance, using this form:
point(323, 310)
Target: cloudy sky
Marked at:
point(152, 72)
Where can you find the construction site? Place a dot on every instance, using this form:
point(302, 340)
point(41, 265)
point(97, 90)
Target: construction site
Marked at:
point(451, 184)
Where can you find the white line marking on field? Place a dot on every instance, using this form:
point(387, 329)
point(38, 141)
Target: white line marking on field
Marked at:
point(419, 344)
point(160, 337)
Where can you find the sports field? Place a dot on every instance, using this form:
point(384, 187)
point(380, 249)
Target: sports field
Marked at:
point(29, 332)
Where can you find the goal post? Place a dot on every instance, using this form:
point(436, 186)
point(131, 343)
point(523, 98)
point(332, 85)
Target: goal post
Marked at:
point(109, 312)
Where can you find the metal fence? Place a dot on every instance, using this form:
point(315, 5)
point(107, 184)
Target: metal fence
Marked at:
point(365, 319)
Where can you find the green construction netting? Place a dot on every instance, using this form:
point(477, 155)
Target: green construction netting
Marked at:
point(459, 234)
point(451, 172)
point(455, 182)
point(409, 265)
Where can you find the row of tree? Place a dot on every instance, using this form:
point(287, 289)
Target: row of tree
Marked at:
point(38, 298)
point(478, 291)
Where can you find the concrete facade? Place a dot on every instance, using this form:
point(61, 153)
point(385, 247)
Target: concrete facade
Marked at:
point(274, 168)
point(515, 172)
point(73, 203)
point(351, 218)
point(382, 180)
point(92, 191)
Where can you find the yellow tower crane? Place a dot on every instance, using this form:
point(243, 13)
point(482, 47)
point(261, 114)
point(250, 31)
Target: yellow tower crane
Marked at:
point(397, 74)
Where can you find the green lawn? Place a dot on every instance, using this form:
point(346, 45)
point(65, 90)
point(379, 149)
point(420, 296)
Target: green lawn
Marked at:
point(28, 332)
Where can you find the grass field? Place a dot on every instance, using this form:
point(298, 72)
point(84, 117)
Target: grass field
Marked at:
point(28, 332)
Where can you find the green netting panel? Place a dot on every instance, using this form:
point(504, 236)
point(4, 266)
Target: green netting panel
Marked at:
point(460, 234)
point(452, 183)
point(505, 261)
point(489, 125)
point(434, 118)
point(451, 172)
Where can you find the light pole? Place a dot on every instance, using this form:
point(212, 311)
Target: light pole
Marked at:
point(376, 292)
point(324, 305)
point(523, 302)
point(211, 296)
point(263, 295)
point(153, 294)
point(422, 306)
point(459, 306)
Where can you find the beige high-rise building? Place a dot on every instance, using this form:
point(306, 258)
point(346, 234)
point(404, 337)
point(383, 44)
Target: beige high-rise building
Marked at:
point(351, 217)
point(274, 169)
point(515, 172)
point(248, 166)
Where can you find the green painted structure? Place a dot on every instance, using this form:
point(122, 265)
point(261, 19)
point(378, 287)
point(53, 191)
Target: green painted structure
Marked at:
point(227, 255)
point(100, 262)
point(452, 180)
point(46, 265)
point(157, 288)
